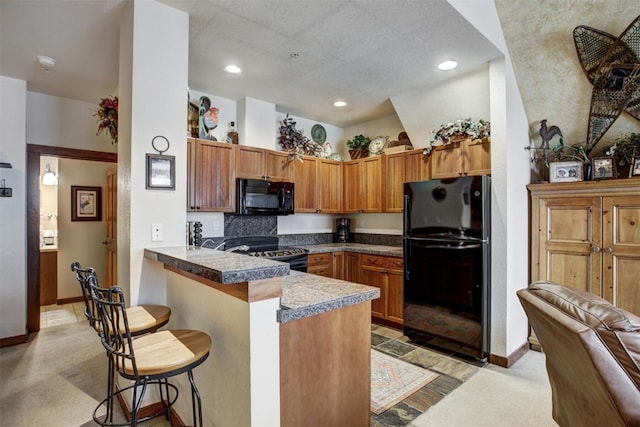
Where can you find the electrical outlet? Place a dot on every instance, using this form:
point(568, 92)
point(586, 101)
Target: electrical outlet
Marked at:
point(156, 232)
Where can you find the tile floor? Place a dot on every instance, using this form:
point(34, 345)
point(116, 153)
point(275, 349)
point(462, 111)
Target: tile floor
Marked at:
point(54, 315)
point(453, 372)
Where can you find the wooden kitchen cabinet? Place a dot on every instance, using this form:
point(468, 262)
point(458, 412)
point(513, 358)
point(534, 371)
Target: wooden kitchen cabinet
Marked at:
point(394, 172)
point(586, 235)
point(318, 185)
point(464, 158)
point(327, 264)
point(418, 166)
point(48, 277)
point(385, 273)
point(352, 267)
point(258, 163)
point(363, 185)
point(211, 177)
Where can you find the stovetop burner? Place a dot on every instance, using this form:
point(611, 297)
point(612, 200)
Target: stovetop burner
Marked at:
point(280, 253)
point(266, 247)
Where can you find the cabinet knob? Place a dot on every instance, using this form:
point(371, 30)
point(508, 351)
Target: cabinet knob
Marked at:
point(596, 249)
point(608, 250)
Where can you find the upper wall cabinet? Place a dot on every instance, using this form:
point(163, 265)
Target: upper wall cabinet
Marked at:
point(417, 166)
point(364, 185)
point(465, 158)
point(258, 163)
point(211, 176)
point(318, 185)
point(395, 173)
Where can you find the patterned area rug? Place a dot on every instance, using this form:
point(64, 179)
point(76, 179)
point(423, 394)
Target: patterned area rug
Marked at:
point(392, 380)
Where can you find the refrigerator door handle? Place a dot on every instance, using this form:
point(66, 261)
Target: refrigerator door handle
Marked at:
point(455, 248)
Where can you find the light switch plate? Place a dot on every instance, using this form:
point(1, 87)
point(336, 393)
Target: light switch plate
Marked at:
point(156, 232)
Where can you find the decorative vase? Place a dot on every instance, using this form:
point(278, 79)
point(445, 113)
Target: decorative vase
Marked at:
point(358, 153)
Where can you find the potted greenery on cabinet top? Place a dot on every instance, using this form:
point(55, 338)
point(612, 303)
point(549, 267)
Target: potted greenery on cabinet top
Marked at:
point(359, 146)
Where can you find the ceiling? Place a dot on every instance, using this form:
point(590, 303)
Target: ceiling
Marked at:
point(363, 52)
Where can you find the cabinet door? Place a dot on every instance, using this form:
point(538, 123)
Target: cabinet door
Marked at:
point(372, 184)
point(352, 187)
point(477, 157)
point(338, 265)
point(304, 178)
point(570, 242)
point(277, 165)
point(250, 162)
point(395, 178)
point(352, 267)
point(48, 277)
point(330, 182)
point(446, 161)
point(375, 276)
point(621, 251)
point(395, 279)
point(418, 166)
point(215, 185)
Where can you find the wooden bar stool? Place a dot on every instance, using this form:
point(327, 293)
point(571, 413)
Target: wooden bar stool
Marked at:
point(142, 318)
point(148, 359)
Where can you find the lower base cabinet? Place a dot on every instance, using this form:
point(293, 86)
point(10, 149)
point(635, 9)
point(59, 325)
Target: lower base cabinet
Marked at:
point(48, 277)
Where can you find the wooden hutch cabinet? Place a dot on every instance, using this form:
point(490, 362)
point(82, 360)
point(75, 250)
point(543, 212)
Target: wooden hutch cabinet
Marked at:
point(587, 235)
point(318, 185)
point(464, 158)
point(364, 186)
point(394, 171)
point(418, 166)
point(211, 176)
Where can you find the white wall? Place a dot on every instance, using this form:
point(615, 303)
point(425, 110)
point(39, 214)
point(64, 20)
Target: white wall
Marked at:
point(13, 223)
point(152, 93)
point(256, 126)
point(62, 122)
point(79, 240)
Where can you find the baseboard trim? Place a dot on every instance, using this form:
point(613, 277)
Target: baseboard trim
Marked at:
point(63, 301)
point(18, 339)
point(508, 361)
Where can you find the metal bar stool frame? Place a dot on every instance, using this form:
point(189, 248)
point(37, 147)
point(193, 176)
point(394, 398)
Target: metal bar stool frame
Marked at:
point(117, 339)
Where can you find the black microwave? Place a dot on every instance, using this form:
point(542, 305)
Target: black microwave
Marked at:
point(259, 197)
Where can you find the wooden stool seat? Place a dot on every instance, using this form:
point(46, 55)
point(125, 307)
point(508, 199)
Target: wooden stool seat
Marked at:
point(147, 318)
point(167, 351)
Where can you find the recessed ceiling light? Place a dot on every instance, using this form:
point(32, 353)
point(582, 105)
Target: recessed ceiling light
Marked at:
point(447, 65)
point(340, 104)
point(233, 69)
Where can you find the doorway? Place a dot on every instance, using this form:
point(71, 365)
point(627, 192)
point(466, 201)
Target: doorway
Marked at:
point(34, 152)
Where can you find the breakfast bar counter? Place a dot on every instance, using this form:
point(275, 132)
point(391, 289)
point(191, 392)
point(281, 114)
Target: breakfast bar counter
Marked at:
point(285, 344)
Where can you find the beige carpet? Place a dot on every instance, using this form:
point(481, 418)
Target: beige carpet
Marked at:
point(392, 380)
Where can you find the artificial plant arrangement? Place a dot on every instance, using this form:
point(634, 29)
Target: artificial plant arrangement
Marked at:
point(624, 149)
point(107, 114)
point(459, 130)
point(294, 141)
point(358, 146)
point(565, 153)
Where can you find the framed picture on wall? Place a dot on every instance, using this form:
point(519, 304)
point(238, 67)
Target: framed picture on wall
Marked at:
point(86, 203)
point(635, 167)
point(161, 172)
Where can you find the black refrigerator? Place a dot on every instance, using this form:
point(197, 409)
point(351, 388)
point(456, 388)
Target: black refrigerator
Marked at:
point(447, 264)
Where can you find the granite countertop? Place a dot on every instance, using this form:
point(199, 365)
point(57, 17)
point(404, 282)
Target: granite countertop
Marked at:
point(221, 267)
point(395, 251)
point(305, 295)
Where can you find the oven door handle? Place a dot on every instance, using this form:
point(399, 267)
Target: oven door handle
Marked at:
point(455, 248)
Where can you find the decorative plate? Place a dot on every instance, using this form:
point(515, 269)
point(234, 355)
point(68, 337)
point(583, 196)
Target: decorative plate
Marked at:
point(377, 145)
point(318, 134)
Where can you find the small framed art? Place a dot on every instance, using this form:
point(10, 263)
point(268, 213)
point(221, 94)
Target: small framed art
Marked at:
point(161, 172)
point(604, 167)
point(635, 167)
point(86, 203)
point(565, 171)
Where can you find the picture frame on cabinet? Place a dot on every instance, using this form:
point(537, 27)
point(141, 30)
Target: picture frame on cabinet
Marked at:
point(635, 167)
point(86, 203)
point(604, 168)
point(161, 172)
point(565, 171)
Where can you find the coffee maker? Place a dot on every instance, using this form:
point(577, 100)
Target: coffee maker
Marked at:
point(343, 230)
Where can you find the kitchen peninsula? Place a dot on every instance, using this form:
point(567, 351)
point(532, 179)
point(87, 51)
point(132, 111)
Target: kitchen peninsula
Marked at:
point(288, 347)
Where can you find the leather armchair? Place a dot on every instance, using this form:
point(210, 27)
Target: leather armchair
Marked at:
point(592, 353)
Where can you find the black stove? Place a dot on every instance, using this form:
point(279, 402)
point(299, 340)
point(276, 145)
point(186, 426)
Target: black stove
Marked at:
point(269, 247)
